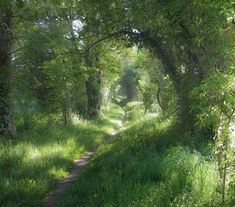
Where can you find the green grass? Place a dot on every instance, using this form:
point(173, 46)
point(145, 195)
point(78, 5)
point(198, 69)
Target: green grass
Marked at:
point(36, 159)
point(149, 164)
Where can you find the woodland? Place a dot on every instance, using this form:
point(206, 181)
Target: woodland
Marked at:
point(146, 88)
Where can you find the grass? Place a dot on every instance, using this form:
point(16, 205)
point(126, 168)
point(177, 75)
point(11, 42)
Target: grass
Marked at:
point(36, 159)
point(149, 164)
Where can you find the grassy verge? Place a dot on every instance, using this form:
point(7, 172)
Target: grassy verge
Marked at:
point(36, 159)
point(149, 164)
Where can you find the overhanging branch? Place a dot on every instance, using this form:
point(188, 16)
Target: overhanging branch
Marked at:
point(123, 32)
point(155, 44)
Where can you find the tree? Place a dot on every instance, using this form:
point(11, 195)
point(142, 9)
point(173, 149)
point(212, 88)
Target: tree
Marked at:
point(214, 105)
point(6, 41)
point(179, 33)
point(49, 60)
point(154, 84)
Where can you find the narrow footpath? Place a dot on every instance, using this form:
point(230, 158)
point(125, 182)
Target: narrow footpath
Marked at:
point(80, 165)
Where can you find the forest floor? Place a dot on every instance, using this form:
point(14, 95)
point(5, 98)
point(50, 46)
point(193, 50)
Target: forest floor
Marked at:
point(42, 154)
point(150, 163)
point(79, 167)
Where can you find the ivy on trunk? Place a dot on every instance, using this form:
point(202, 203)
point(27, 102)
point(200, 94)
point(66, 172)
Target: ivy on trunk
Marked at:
point(6, 40)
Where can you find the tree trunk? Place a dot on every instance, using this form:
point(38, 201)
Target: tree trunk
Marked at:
point(6, 40)
point(131, 91)
point(93, 96)
point(66, 115)
point(159, 99)
point(186, 117)
point(180, 81)
point(93, 85)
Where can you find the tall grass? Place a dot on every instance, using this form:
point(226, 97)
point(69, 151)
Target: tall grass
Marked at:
point(149, 164)
point(36, 159)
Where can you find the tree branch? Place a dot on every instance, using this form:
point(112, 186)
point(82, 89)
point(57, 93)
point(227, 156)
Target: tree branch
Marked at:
point(153, 43)
point(105, 38)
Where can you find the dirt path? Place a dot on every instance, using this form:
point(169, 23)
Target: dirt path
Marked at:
point(74, 175)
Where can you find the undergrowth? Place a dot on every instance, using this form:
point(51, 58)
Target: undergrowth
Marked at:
point(32, 162)
point(149, 164)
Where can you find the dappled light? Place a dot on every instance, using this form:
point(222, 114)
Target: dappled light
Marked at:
point(117, 103)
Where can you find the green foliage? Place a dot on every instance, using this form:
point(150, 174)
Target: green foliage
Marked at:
point(134, 111)
point(38, 158)
point(72, 57)
point(154, 85)
point(4, 5)
point(215, 99)
point(148, 90)
point(217, 110)
point(145, 167)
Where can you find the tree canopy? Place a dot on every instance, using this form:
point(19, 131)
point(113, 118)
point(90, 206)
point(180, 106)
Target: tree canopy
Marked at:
point(73, 58)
